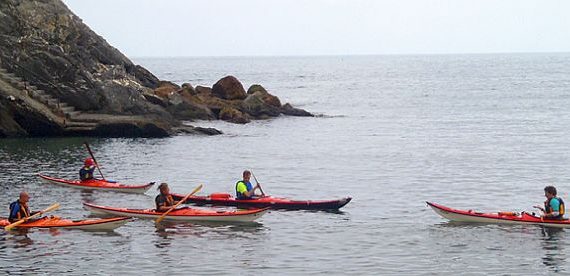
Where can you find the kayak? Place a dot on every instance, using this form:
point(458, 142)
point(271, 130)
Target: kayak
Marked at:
point(224, 199)
point(181, 214)
point(498, 217)
point(57, 222)
point(98, 184)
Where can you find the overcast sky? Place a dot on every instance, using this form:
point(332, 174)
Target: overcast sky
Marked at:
point(144, 28)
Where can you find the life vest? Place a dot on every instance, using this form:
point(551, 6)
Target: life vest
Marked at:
point(17, 212)
point(247, 186)
point(561, 209)
point(86, 172)
point(163, 199)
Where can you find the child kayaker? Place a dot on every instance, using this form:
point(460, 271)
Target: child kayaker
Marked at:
point(244, 189)
point(19, 208)
point(86, 172)
point(553, 206)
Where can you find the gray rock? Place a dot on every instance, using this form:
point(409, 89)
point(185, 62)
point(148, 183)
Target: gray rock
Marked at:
point(256, 107)
point(287, 109)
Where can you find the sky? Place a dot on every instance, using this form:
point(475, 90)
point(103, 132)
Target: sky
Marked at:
point(175, 28)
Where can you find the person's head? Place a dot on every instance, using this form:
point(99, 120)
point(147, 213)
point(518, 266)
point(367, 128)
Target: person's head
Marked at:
point(89, 162)
point(163, 188)
point(24, 197)
point(549, 192)
point(246, 175)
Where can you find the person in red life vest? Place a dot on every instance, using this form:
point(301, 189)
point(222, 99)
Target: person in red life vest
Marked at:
point(553, 206)
point(164, 200)
point(86, 172)
point(19, 209)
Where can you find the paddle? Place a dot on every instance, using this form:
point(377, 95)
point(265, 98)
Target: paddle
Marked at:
point(257, 182)
point(94, 160)
point(48, 209)
point(179, 202)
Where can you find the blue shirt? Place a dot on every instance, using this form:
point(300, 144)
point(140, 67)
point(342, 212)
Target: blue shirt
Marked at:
point(555, 205)
point(86, 173)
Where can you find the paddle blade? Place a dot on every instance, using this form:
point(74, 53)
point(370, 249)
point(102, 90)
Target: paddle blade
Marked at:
point(48, 209)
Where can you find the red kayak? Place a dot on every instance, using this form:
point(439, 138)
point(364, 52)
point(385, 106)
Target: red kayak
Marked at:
point(107, 224)
point(98, 184)
point(181, 214)
point(498, 217)
point(223, 199)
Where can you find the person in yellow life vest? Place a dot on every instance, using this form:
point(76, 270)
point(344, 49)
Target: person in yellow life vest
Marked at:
point(553, 206)
point(244, 189)
point(86, 172)
point(164, 200)
point(19, 208)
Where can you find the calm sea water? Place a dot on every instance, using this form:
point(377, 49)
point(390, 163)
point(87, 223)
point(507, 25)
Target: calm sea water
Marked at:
point(483, 132)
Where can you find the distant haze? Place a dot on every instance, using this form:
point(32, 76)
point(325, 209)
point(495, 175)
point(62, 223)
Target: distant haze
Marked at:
point(144, 28)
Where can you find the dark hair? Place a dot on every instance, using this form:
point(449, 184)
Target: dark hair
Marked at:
point(550, 190)
point(163, 184)
point(246, 172)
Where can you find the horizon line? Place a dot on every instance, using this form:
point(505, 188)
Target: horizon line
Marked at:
point(360, 55)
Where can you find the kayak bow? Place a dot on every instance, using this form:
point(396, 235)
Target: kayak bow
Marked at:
point(499, 217)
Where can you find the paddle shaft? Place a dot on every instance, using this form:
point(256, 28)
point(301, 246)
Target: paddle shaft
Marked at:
point(48, 209)
point(179, 202)
point(257, 182)
point(94, 160)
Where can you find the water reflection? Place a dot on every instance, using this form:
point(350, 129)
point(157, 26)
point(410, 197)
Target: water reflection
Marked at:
point(554, 257)
point(167, 231)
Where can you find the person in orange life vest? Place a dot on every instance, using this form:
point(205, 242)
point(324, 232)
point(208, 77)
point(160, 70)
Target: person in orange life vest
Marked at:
point(164, 200)
point(553, 206)
point(244, 189)
point(19, 209)
point(86, 172)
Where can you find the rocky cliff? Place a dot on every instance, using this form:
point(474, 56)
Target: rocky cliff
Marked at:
point(58, 77)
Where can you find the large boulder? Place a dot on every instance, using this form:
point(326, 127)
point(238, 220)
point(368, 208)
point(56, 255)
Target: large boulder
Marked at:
point(229, 88)
point(255, 106)
point(264, 95)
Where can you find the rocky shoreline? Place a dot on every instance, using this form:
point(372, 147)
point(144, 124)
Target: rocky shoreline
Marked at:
point(59, 78)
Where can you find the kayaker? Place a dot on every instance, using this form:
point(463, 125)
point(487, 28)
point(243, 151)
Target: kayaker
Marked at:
point(19, 208)
point(553, 206)
point(244, 189)
point(164, 200)
point(86, 172)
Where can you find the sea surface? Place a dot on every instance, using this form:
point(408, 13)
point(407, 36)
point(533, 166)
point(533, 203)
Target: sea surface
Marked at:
point(481, 132)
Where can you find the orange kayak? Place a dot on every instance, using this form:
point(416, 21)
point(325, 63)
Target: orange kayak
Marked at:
point(107, 224)
point(98, 184)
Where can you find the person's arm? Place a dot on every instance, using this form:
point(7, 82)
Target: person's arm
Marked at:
point(252, 192)
point(163, 208)
point(555, 209)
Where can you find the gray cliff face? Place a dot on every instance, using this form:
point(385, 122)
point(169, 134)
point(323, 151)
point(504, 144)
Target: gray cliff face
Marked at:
point(59, 78)
point(44, 43)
